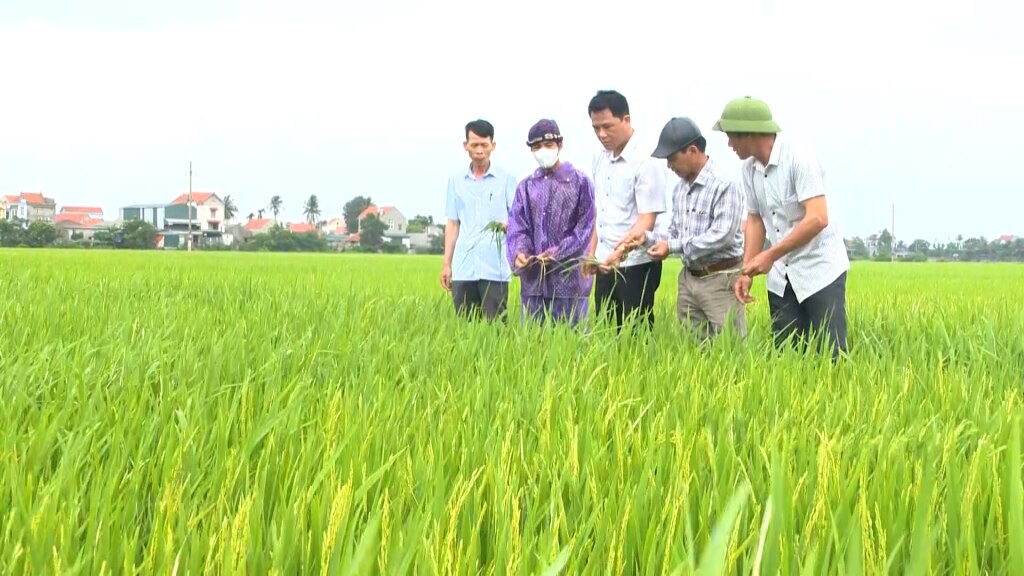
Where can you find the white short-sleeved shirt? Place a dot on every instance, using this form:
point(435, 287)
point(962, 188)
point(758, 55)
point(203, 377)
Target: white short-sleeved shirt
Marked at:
point(624, 187)
point(775, 192)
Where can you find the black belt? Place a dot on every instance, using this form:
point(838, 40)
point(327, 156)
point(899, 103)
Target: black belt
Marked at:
point(715, 267)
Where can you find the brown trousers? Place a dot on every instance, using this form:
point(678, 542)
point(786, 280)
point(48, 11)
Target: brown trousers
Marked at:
point(708, 303)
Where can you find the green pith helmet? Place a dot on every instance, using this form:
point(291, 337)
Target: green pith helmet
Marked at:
point(747, 115)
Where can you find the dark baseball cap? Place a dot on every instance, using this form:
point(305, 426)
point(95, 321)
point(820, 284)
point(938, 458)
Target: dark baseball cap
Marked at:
point(543, 131)
point(677, 134)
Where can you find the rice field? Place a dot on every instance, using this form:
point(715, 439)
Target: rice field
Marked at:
point(220, 413)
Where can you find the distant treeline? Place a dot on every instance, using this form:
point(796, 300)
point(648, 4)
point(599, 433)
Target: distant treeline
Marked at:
point(880, 248)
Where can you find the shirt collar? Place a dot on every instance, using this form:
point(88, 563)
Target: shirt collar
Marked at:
point(705, 173)
point(773, 159)
point(489, 173)
point(628, 151)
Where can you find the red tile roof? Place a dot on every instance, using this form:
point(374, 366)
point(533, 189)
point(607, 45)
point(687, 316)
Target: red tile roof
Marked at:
point(302, 227)
point(76, 218)
point(199, 198)
point(373, 209)
point(12, 199)
point(81, 210)
point(34, 198)
point(258, 224)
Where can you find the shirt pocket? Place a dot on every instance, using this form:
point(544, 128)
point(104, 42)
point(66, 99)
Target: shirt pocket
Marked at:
point(793, 210)
point(622, 195)
point(496, 209)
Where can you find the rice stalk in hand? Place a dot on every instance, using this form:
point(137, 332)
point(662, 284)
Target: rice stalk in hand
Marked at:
point(497, 231)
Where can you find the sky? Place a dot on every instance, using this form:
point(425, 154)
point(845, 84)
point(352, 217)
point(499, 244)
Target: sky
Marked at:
point(910, 105)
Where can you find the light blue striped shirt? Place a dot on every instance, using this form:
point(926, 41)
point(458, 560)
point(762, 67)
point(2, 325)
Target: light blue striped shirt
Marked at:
point(473, 204)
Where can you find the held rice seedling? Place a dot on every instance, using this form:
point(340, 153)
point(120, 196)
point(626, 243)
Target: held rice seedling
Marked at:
point(169, 413)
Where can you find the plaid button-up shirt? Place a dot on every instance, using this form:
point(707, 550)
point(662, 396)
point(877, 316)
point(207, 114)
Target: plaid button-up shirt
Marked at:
point(706, 219)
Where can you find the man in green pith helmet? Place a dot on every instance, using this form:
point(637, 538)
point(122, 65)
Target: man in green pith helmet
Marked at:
point(805, 261)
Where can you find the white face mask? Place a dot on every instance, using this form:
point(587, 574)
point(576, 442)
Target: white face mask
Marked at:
point(546, 157)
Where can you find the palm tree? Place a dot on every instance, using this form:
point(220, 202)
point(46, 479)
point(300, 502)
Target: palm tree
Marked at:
point(229, 207)
point(251, 216)
point(260, 212)
point(275, 206)
point(311, 209)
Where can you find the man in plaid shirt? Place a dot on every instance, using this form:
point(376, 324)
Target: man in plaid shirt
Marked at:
point(707, 209)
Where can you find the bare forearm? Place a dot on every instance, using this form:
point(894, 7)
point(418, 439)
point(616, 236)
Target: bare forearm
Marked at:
point(803, 233)
point(645, 223)
point(753, 238)
point(451, 234)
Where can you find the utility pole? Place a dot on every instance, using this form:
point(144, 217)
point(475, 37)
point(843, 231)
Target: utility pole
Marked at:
point(189, 206)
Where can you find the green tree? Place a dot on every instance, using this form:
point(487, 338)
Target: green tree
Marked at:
point(883, 250)
point(11, 233)
point(136, 235)
point(311, 209)
point(419, 224)
point(275, 206)
point(278, 239)
point(920, 246)
point(371, 233)
point(351, 212)
point(40, 234)
point(230, 209)
point(857, 249)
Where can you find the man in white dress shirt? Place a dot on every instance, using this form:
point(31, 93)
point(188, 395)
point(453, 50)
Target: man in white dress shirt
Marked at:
point(806, 260)
point(630, 192)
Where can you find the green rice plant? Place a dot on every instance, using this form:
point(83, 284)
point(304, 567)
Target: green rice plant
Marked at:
point(215, 413)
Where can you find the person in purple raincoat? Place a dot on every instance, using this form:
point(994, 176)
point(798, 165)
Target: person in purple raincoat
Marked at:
point(550, 227)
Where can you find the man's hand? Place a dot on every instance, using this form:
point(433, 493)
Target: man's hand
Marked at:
point(659, 251)
point(446, 277)
point(760, 264)
point(588, 268)
point(503, 226)
point(631, 238)
point(612, 261)
point(742, 289)
point(522, 260)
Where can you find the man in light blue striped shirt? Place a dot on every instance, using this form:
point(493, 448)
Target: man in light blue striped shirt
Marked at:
point(475, 270)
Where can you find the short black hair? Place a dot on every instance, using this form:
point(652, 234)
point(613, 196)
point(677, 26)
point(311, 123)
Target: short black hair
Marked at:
point(701, 143)
point(481, 128)
point(609, 100)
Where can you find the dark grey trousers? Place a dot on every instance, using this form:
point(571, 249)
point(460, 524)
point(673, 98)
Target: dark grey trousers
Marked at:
point(821, 315)
point(487, 296)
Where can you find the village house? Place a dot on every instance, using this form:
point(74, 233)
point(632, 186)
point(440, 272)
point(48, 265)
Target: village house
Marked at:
point(202, 219)
point(80, 222)
point(30, 207)
point(395, 223)
point(335, 226)
point(258, 226)
point(302, 228)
